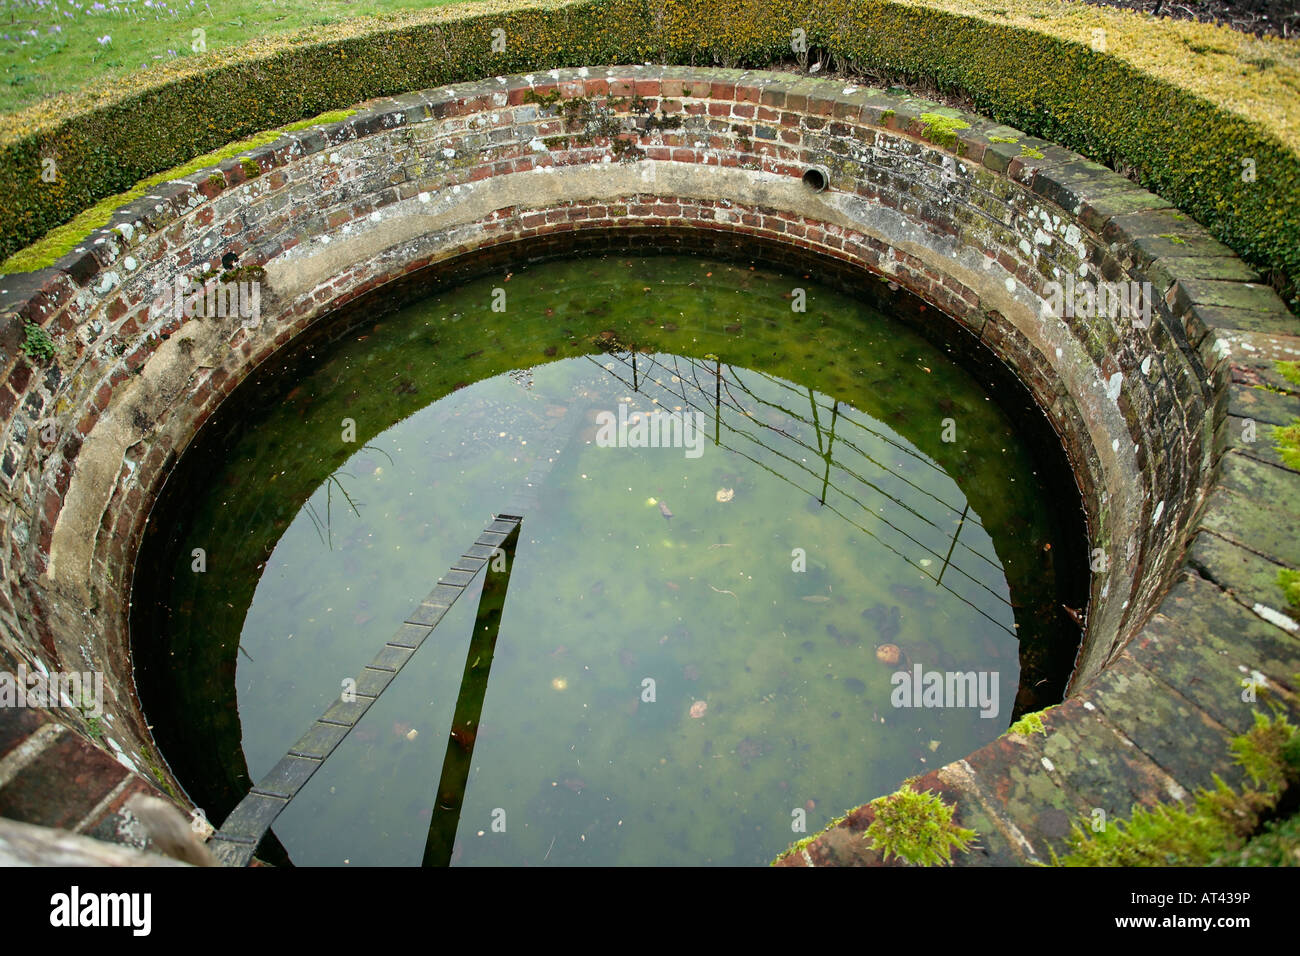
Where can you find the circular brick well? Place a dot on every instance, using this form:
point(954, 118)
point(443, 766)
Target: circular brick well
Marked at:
point(973, 218)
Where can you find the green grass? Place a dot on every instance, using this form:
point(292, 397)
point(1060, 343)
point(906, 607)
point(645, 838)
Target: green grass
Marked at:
point(65, 238)
point(71, 56)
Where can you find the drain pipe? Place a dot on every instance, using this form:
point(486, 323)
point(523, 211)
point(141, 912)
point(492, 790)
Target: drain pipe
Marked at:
point(817, 178)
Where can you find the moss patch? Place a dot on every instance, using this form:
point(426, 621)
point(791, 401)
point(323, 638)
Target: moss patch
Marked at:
point(1277, 845)
point(916, 827)
point(1289, 581)
point(1029, 724)
point(1219, 823)
point(1287, 443)
point(942, 129)
point(1289, 371)
point(797, 847)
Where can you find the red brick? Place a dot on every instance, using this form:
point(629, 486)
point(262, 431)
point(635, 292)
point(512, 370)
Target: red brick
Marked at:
point(20, 376)
point(53, 502)
point(672, 87)
point(62, 784)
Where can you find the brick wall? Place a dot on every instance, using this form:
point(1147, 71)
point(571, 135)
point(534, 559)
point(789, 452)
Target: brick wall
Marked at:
point(973, 220)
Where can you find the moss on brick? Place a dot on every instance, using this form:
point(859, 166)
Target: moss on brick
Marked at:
point(1289, 371)
point(1289, 581)
point(1287, 443)
point(1029, 724)
point(942, 129)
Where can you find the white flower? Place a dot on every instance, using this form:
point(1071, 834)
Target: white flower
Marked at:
point(105, 39)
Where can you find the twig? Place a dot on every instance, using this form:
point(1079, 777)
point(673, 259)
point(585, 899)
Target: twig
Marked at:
point(721, 591)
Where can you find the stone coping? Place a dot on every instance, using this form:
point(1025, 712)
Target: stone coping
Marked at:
point(1169, 427)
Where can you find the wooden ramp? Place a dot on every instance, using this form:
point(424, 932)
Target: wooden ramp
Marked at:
point(237, 840)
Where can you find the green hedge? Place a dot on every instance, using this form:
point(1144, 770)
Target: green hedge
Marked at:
point(1048, 84)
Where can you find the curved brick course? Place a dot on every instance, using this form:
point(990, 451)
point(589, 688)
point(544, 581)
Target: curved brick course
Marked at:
point(1151, 418)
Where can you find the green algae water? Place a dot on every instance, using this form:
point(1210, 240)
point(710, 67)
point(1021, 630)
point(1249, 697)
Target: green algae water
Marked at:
point(740, 523)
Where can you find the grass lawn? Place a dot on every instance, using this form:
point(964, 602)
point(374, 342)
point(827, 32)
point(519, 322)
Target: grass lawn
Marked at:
point(55, 46)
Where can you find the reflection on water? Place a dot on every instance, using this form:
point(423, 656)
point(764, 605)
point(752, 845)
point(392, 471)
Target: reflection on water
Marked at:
point(698, 642)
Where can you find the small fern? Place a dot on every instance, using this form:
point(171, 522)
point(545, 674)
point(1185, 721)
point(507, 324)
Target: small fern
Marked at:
point(37, 346)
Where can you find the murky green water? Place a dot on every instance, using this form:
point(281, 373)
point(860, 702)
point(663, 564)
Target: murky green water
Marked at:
point(665, 690)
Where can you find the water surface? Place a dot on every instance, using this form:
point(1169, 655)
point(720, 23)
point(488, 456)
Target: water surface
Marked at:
point(697, 643)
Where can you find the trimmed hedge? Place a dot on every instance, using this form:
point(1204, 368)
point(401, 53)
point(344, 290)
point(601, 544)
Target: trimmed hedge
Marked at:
point(1052, 85)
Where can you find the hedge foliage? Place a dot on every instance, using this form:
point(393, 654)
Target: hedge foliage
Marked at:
point(1181, 104)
